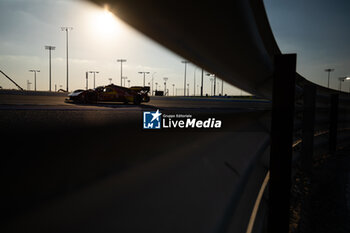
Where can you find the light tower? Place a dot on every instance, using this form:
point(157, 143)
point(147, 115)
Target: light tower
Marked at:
point(222, 87)
point(94, 72)
point(165, 79)
point(329, 70)
point(50, 48)
point(87, 79)
point(202, 83)
point(214, 82)
point(211, 86)
point(121, 70)
point(152, 90)
point(66, 29)
point(125, 78)
point(34, 71)
point(185, 62)
point(144, 76)
point(342, 79)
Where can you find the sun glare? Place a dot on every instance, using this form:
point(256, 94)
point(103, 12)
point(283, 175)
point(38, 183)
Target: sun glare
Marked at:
point(105, 23)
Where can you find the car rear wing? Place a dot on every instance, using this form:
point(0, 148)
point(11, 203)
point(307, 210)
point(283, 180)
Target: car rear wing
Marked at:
point(144, 89)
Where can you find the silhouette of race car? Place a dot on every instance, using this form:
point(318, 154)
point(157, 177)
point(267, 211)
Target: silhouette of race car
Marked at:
point(113, 93)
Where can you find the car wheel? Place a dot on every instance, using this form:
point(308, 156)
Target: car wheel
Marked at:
point(146, 99)
point(137, 99)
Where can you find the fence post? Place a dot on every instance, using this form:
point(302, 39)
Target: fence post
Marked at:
point(333, 125)
point(308, 127)
point(281, 142)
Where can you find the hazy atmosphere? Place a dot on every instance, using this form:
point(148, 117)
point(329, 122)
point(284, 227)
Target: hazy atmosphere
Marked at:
point(319, 35)
point(96, 41)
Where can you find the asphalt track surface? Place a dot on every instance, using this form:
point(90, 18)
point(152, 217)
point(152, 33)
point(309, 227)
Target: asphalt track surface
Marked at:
point(29, 111)
point(92, 168)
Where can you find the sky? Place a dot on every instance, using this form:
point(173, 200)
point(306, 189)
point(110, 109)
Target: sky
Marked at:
point(317, 31)
point(97, 40)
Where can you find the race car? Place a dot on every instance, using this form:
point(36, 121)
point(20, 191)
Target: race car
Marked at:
point(113, 93)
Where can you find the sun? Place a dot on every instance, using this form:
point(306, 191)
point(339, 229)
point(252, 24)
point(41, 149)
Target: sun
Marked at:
point(105, 23)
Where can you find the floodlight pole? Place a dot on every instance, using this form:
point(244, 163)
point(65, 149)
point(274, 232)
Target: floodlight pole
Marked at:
point(347, 79)
point(165, 79)
point(152, 82)
point(66, 29)
point(34, 71)
point(341, 79)
point(144, 76)
point(121, 70)
point(50, 48)
point(214, 84)
point(202, 83)
point(211, 86)
point(94, 72)
point(125, 78)
point(212, 80)
point(222, 87)
point(185, 62)
point(329, 70)
point(87, 79)
point(194, 81)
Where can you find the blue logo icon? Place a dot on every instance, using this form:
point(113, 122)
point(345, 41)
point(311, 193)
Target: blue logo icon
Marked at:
point(151, 120)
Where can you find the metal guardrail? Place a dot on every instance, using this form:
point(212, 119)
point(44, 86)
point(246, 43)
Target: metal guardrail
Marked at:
point(319, 121)
point(321, 126)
